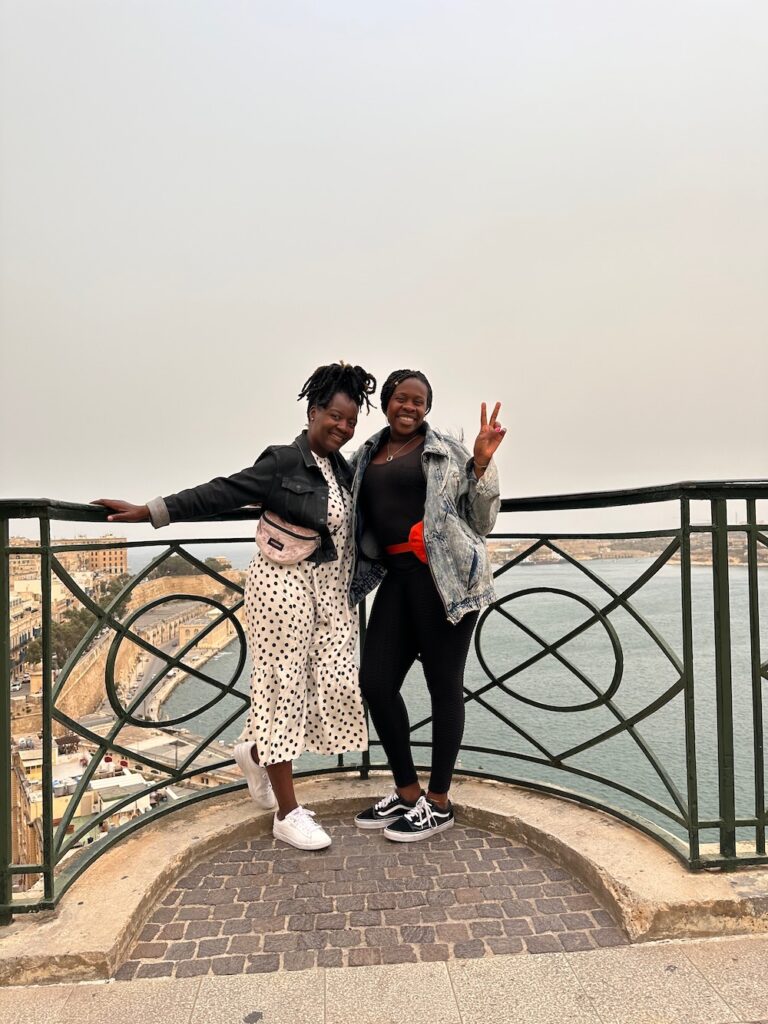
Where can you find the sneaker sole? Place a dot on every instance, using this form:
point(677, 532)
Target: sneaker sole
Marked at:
point(265, 803)
point(369, 823)
point(415, 837)
point(308, 845)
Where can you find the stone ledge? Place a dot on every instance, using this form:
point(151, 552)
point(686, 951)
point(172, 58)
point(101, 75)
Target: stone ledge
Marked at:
point(651, 894)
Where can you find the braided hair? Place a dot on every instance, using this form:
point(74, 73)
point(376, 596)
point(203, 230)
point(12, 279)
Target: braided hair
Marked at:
point(392, 381)
point(326, 381)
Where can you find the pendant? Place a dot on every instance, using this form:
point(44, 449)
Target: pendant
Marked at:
point(389, 458)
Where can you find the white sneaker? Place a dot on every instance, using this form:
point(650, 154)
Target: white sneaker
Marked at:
point(300, 830)
point(258, 781)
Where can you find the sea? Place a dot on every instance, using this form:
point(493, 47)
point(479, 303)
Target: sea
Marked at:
point(583, 706)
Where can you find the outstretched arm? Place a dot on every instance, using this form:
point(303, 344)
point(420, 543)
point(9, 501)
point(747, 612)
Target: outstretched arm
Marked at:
point(223, 494)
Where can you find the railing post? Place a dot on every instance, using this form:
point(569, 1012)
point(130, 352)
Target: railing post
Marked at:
point(694, 852)
point(723, 679)
point(47, 730)
point(757, 680)
point(6, 811)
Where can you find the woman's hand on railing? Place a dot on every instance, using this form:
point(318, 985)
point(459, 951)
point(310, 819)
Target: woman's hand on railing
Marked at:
point(124, 511)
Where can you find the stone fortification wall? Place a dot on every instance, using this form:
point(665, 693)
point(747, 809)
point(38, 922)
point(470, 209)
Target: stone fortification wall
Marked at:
point(28, 721)
point(199, 585)
point(85, 689)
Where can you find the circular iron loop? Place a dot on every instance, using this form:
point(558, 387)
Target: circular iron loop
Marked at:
point(226, 688)
point(603, 619)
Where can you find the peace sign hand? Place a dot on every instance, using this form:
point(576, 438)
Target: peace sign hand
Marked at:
point(490, 437)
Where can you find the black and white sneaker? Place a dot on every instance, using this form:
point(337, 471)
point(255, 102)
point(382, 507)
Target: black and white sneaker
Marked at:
point(388, 810)
point(426, 819)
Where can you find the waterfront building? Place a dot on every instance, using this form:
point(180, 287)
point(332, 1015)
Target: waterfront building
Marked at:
point(26, 824)
point(23, 566)
point(26, 621)
point(88, 569)
point(217, 639)
point(112, 561)
point(113, 781)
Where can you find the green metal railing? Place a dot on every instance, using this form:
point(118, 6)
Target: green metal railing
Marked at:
point(705, 817)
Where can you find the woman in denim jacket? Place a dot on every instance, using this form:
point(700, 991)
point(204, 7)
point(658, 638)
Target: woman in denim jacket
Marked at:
point(423, 508)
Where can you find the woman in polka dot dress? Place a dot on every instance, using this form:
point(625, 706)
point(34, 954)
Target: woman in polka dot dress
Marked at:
point(302, 635)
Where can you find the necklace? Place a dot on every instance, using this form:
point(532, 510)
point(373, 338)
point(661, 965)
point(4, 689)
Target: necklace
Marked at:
point(391, 454)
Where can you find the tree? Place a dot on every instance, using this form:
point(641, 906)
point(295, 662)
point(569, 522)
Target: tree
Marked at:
point(175, 565)
point(218, 564)
point(111, 588)
point(67, 634)
point(75, 623)
point(33, 652)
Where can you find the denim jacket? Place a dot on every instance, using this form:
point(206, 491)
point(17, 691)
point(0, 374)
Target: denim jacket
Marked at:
point(459, 512)
point(285, 479)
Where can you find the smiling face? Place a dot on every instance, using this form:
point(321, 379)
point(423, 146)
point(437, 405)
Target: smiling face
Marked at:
point(331, 426)
point(407, 408)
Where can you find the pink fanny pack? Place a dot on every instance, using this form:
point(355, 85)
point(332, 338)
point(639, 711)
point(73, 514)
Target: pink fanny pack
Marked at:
point(283, 542)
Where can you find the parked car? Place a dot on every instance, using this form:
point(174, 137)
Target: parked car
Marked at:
point(15, 687)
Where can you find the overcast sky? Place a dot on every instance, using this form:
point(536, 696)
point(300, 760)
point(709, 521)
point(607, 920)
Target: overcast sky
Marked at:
point(559, 205)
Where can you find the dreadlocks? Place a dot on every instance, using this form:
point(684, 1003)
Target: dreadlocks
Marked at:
point(392, 381)
point(326, 381)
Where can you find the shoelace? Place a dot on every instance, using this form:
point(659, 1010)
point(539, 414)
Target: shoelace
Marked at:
point(422, 813)
point(394, 795)
point(302, 819)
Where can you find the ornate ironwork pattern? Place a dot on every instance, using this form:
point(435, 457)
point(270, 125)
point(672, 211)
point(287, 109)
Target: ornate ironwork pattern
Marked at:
point(578, 670)
point(596, 697)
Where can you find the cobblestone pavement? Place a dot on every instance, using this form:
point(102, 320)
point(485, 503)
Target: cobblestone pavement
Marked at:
point(262, 906)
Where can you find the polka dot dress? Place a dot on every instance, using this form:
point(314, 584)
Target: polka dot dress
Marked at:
point(303, 640)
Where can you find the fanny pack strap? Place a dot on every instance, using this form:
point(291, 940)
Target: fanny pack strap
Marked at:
point(399, 549)
point(414, 544)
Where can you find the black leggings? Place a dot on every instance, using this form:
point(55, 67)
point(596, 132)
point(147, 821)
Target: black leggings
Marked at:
point(408, 619)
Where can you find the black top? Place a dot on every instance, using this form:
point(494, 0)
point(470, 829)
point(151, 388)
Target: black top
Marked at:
point(392, 497)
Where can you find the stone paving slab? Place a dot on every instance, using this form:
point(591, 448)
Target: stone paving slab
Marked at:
point(663, 983)
point(43, 1005)
point(738, 970)
point(260, 906)
point(141, 1002)
point(534, 990)
point(261, 999)
point(391, 994)
point(656, 983)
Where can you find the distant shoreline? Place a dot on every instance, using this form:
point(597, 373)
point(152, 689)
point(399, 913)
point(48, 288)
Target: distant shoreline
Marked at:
point(502, 552)
point(673, 560)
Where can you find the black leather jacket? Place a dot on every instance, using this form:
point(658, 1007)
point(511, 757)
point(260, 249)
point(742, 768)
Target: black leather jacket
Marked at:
point(285, 479)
